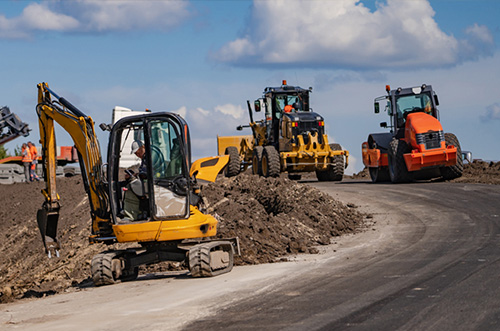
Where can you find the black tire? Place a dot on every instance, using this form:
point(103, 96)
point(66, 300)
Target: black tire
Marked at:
point(233, 167)
point(256, 160)
point(335, 171)
point(398, 171)
point(102, 269)
point(293, 176)
point(271, 164)
point(455, 171)
point(338, 163)
point(379, 174)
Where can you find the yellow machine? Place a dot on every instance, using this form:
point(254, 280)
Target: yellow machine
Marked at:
point(155, 205)
point(290, 139)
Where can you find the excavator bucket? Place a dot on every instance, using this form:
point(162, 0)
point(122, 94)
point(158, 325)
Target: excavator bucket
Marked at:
point(47, 223)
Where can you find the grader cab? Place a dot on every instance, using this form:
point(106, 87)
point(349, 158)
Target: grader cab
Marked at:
point(291, 138)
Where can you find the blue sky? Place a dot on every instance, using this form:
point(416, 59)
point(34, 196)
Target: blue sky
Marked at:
point(204, 59)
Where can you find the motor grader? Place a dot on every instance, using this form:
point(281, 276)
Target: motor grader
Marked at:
point(159, 209)
point(416, 146)
point(291, 138)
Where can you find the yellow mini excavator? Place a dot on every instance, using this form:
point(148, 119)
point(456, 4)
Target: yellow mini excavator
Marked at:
point(155, 205)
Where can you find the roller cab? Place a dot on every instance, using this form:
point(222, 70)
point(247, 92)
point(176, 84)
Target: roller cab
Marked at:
point(416, 146)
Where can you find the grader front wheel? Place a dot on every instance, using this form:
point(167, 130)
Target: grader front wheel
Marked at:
point(270, 162)
point(233, 167)
point(257, 159)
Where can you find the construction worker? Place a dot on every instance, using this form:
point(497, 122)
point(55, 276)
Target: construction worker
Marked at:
point(428, 107)
point(25, 152)
point(139, 150)
point(139, 186)
point(34, 162)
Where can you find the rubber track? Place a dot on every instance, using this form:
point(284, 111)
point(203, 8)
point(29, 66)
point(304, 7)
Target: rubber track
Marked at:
point(102, 273)
point(199, 261)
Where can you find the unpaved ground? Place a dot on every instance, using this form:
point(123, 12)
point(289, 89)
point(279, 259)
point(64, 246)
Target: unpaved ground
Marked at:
point(272, 217)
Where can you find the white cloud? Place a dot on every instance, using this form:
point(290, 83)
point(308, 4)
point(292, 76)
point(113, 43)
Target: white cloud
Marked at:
point(125, 15)
point(492, 112)
point(235, 111)
point(344, 33)
point(203, 112)
point(181, 111)
point(92, 16)
point(39, 17)
point(35, 17)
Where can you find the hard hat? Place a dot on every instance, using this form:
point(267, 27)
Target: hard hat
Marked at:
point(136, 145)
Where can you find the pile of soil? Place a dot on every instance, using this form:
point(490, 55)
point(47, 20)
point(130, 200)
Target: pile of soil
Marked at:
point(273, 217)
point(477, 172)
point(276, 216)
point(480, 172)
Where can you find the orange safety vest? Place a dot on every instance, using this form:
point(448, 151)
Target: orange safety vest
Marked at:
point(33, 152)
point(26, 155)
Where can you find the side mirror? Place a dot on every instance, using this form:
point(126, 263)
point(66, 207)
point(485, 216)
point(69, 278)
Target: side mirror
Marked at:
point(256, 105)
point(377, 108)
point(383, 125)
point(239, 128)
point(105, 127)
point(436, 100)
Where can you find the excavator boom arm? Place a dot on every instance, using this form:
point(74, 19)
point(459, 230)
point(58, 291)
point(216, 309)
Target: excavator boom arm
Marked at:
point(81, 129)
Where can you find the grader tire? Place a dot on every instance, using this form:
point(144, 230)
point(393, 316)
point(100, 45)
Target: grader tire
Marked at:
point(271, 164)
point(455, 171)
point(338, 164)
point(335, 171)
point(256, 160)
point(233, 167)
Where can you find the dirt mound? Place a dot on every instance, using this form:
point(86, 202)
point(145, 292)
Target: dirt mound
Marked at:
point(272, 218)
point(276, 216)
point(480, 172)
point(363, 174)
point(25, 269)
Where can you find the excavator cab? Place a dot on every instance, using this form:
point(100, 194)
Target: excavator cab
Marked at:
point(158, 186)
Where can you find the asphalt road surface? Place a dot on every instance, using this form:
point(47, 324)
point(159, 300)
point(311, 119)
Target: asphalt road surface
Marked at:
point(430, 261)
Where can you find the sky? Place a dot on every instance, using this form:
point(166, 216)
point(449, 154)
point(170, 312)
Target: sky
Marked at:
point(205, 59)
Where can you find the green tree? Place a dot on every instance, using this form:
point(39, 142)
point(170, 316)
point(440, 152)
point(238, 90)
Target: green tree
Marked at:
point(3, 152)
point(18, 151)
